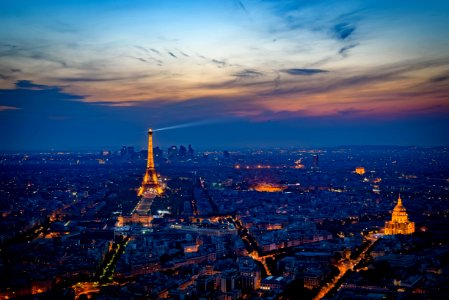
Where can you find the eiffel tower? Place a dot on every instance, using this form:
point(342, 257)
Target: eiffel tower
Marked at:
point(150, 186)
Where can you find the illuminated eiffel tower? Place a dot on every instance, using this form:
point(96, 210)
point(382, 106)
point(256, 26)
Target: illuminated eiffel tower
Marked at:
point(150, 186)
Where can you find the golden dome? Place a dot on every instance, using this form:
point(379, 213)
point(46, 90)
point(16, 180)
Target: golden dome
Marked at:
point(399, 207)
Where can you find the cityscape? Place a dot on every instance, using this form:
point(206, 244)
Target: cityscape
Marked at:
point(273, 223)
point(224, 150)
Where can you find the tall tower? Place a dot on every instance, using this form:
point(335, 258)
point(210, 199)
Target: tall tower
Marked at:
point(150, 186)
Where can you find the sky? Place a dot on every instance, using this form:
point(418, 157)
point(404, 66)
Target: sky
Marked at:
point(80, 75)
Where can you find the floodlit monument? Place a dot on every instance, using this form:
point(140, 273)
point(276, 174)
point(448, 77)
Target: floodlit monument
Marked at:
point(399, 223)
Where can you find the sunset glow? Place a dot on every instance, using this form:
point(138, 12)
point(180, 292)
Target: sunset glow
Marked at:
point(250, 61)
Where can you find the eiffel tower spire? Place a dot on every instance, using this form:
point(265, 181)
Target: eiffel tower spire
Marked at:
point(150, 159)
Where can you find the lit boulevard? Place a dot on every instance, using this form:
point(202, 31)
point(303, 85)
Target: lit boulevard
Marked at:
point(344, 266)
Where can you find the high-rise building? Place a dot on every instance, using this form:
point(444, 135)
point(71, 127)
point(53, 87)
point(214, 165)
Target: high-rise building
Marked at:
point(399, 223)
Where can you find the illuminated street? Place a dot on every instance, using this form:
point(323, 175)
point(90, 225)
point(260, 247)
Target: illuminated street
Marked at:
point(345, 266)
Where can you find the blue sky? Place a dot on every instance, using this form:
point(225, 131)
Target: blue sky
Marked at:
point(97, 74)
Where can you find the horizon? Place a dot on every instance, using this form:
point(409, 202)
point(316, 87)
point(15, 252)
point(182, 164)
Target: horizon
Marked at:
point(116, 149)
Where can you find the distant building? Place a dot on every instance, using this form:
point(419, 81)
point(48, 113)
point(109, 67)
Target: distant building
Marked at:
point(315, 162)
point(127, 152)
point(157, 152)
point(182, 151)
point(399, 223)
point(105, 152)
point(172, 152)
point(360, 170)
point(191, 152)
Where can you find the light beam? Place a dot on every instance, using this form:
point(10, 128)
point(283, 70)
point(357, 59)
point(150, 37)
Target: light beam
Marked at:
point(185, 125)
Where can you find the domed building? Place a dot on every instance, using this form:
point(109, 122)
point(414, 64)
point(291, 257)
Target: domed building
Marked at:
point(399, 223)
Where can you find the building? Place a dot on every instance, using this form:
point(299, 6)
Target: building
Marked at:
point(399, 223)
point(360, 170)
point(228, 281)
point(249, 274)
point(272, 283)
point(205, 285)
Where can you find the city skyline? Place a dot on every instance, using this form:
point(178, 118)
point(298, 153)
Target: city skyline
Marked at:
point(83, 75)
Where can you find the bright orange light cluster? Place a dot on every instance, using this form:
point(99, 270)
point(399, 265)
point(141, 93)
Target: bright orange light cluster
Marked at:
point(360, 170)
point(269, 187)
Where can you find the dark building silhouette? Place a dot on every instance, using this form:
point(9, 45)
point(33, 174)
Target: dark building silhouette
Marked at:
point(158, 153)
point(172, 152)
point(191, 151)
point(127, 152)
point(315, 162)
point(182, 151)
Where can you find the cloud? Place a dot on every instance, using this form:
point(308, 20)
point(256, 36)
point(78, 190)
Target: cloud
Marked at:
point(351, 112)
point(220, 63)
point(148, 59)
point(345, 50)
point(140, 59)
point(143, 49)
point(241, 6)
point(101, 78)
point(27, 84)
point(343, 30)
point(183, 53)
point(155, 51)
point(44, 56)
point(277, 81)
point(171, 53)
point(304, 72)
point(248, 74)
point(440, 78)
